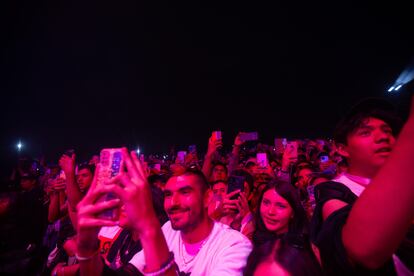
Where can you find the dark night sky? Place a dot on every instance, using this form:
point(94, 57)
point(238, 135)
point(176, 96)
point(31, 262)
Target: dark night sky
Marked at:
point(93, 74)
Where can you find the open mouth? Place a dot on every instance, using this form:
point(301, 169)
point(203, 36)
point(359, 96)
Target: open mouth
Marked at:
point(383, 150)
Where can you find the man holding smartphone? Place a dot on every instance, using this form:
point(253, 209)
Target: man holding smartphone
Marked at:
point(189, 243)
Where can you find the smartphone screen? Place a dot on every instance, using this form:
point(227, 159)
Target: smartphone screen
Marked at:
point(217, 135)
point(261, 160)
point(249, 136)
point(324, 159)
point(235, 183)
point(181, 157)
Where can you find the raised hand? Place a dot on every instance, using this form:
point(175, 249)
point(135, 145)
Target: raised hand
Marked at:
point(67, 163)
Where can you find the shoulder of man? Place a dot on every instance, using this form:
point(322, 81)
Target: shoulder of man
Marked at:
point(333, 190)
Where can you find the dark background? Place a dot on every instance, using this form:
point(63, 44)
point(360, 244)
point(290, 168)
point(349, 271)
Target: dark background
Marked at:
point(93, 74)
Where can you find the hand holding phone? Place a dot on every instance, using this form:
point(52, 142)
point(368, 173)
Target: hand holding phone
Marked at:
point(215, 142)
point(217, 135)
point(235, 183)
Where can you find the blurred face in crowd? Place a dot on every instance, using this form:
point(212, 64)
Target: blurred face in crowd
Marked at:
point(219, 173)
point(261, 178)
point(368, 147)
point(303, 177)
point(275, 212)
point(84, 179)
point(27, 183)
point(220, 189)
point(185, 202)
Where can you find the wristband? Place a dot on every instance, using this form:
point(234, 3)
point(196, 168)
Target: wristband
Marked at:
point(164, 268)
point(81, 258)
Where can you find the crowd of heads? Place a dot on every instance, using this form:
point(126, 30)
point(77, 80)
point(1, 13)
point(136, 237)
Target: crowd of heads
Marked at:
point(277, 192)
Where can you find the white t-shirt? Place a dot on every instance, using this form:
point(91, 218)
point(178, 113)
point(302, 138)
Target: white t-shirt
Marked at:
point(356, 184)
point(225, 252)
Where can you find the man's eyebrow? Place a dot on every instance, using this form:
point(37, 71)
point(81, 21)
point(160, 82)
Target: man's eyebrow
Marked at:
point(186, 187)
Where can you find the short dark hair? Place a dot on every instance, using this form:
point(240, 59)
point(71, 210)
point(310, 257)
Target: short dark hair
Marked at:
point(369, 107)
point(87, 166)
point(218, 163)
point(200, 175)
point(292, 252)
point(216, 182)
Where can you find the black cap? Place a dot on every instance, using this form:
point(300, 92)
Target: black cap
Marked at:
point(368, 107)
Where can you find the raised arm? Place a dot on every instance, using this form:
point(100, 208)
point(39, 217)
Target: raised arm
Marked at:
point(235, 154)
point(67, 163)
point(134, 191)
point(57, 187)
point(213, 145)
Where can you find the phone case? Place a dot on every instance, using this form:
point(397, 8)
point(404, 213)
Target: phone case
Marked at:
point(249, 136)
point(261, 159)
point(235, 183)
point(110, 166)
point(181, 156)
point(217, 135)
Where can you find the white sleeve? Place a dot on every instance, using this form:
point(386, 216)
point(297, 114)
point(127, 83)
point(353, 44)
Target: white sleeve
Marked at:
point(232, 259)
point(138, 261)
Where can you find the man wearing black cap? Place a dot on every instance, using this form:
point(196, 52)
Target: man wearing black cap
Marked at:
point(365, 138)
point(26, 218)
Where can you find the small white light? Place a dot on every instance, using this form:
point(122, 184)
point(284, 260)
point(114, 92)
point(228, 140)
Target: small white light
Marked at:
point(19, 146)
point(391, 89)
point(398, 87)
point(138, 151)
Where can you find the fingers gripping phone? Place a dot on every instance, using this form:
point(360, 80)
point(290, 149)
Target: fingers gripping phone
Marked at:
point(111, 163)
point(235, 183)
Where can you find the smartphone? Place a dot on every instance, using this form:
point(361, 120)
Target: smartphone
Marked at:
point(324, 158)
point(235, 183)
point(217, 135)
point(111, 163)
point(249, 136)
point(284, 142)
point(157, 167)
point(261, 160)
point(192, 148)
point(181, 156)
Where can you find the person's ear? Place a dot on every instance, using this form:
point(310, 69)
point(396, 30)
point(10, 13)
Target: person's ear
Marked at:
point(342, 150)
point(208, 195)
